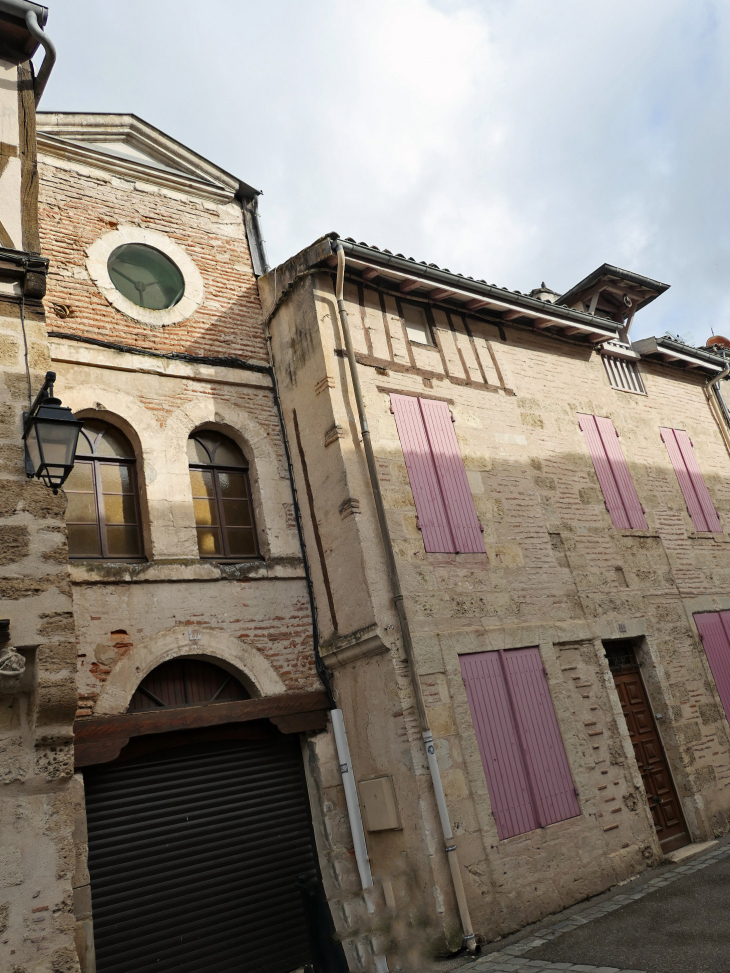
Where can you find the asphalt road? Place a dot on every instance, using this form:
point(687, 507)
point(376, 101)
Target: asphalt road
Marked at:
point(680, 928)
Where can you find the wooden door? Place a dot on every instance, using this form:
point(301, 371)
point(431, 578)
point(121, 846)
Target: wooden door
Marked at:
point(663, 801)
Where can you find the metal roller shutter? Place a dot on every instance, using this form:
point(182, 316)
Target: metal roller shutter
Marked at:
point(194, 855)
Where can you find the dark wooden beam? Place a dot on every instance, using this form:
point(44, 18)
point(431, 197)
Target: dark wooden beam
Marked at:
point(542, 323)
point(511, 315)
point(100, 739)
point(369, 273)
point(477, 302)
point(409, 285)
point(440, 294)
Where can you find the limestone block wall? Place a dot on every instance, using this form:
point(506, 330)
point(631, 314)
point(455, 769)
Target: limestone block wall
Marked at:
point(555, 574)
point(36, 759)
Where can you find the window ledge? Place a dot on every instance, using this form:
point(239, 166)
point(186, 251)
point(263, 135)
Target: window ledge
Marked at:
point(183, 569)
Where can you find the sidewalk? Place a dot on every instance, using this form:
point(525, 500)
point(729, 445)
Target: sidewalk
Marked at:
point(672, 919)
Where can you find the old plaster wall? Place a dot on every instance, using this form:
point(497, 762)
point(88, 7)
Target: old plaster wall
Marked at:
point(555, 573)
point(36, 761)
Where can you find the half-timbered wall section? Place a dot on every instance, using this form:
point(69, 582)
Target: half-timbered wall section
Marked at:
point(585, 536)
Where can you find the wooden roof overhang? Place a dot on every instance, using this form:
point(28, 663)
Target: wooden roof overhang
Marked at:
point(614, 293)
point(100, 739)
point(467, 296)
point(670, 352)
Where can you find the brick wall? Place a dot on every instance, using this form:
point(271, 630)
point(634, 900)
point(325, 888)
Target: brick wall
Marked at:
point(78, 205)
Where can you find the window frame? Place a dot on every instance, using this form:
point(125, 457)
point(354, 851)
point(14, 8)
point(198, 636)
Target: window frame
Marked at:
point(430, 341)
point(215, 469)
point(95, 461)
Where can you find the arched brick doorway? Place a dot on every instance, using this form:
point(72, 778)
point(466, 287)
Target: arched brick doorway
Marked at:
point(198, 835)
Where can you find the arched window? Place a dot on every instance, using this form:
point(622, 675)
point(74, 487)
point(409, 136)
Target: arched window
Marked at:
point(222, 497)
point(186, 682)
point(103, 509)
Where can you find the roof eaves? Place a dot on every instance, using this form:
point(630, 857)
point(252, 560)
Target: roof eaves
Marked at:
point(674, 352)
point(502, 295)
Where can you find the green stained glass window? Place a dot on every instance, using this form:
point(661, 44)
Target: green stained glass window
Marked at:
point(145, 276)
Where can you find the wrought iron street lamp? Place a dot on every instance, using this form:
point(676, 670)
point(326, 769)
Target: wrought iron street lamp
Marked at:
point(50, 433)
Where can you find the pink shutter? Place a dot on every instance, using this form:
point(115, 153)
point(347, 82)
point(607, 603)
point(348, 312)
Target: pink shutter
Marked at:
point(432, 519)
point(552, 782)
point(622, 501)
point(504, 767)
point(455, 490)
point(691, 482)
point(714, 629)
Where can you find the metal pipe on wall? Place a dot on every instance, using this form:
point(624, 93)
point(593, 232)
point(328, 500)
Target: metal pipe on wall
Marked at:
point(450, 847)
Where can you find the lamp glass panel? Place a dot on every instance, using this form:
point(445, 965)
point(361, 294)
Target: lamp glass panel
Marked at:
point(31, 441)
point(57, 441)
point(146, 276)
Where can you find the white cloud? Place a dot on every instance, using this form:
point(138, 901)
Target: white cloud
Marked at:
point(514, 141)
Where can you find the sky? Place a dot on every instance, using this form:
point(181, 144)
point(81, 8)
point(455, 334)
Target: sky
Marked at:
point(516, 141)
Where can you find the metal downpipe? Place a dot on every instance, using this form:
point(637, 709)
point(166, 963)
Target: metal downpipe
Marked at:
point(450, 847)
point(31, 22)
point(712, 392)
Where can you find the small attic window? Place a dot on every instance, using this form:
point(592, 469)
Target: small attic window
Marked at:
point(146, 276)
point(417, 328)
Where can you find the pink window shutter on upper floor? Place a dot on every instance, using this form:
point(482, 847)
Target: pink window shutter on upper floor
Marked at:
point(691, 482)
point(440, 487)
point(552, 781)
point(430, 508)
point(714, 629)
point(612, 471)
point(458, 501)
point(504, 768)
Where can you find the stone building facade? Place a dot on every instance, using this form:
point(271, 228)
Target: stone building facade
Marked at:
point(524, 379)
point(579, 578)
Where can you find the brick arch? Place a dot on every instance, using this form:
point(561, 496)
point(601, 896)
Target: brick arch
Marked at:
point(220, 648)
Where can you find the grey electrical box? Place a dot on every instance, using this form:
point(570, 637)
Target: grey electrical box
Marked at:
point(377, 801)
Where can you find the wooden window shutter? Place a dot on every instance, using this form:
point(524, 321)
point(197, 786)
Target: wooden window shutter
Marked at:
point(691, 482)
point(528, 775)
point(537, 723)
point(612, 471)
point(444, 504)
point(504, 766)
point(714, 629)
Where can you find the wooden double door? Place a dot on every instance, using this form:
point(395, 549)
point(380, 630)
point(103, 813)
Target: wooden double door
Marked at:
point(666, 810)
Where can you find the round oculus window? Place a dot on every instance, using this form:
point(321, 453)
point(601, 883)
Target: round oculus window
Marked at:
point(146, 276)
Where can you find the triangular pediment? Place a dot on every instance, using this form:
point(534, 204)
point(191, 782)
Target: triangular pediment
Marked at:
point(126, 143)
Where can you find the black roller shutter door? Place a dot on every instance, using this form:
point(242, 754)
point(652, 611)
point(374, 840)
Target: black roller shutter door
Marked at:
point(194, 854)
